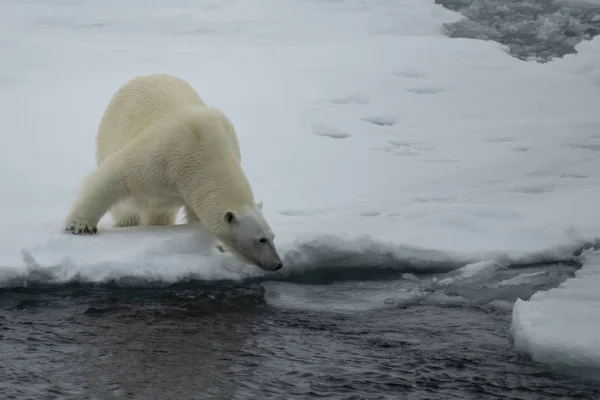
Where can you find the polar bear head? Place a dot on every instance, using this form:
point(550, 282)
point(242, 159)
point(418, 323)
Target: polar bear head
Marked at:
point(250, 239)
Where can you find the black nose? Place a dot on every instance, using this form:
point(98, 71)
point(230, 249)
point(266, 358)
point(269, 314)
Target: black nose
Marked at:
point(278, 267)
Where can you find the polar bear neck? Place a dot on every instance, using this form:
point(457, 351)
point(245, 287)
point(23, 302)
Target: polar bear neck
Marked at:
point(216, 183)
point(211, 198)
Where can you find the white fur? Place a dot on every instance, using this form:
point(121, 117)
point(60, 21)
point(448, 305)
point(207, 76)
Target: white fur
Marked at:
point(159, 147)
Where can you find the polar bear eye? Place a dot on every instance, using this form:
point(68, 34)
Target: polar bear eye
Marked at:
point(262, 240)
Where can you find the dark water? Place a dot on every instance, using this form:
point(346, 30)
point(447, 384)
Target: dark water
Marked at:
point(537, 30)
point(274, 340)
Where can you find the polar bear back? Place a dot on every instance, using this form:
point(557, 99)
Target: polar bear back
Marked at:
point(140, 104)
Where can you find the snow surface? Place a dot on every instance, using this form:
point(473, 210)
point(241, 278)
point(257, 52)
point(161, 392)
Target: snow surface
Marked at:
point(372, 139)
point(561, 326)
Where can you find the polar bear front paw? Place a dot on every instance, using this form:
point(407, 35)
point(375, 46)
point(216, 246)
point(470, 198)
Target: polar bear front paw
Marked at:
point(221, 248)
point(78, 228)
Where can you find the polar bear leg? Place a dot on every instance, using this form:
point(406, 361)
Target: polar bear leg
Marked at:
point(125, 215)
point(190, 215)
point(100, 190)
point(221, 247)
point(160, 218)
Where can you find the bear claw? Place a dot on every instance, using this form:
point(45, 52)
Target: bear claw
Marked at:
point(77, 228)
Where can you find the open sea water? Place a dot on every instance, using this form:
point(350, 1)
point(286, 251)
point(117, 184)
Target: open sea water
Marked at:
point(330, 334)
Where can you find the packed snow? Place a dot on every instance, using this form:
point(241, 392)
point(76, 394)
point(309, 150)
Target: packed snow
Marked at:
point(372, 139)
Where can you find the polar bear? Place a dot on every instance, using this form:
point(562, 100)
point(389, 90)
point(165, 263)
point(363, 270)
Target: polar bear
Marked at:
point(159, 147)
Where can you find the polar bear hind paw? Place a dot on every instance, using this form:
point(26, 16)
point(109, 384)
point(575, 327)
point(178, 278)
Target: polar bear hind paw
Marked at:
point(78, 228)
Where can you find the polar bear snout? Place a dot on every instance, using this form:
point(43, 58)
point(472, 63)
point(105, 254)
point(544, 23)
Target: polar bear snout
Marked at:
point(278, 266)
point(275, 265)
point(271, 267)
point(265, 257)
point(271, 256)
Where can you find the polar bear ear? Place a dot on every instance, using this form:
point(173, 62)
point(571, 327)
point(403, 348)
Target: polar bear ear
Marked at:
point(230, 217)
point(259, 205)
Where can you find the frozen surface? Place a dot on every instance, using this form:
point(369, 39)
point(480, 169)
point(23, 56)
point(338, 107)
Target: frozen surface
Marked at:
point(560, 326)
point(373, 140)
